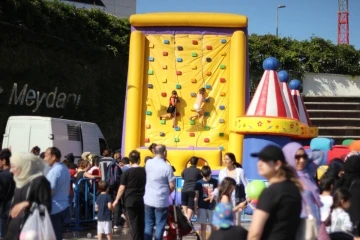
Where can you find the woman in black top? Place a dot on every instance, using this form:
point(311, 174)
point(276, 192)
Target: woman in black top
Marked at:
point(31, 187)
point(277, 214)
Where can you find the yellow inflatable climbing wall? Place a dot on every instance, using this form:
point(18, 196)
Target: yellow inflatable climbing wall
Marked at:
point(185, 52)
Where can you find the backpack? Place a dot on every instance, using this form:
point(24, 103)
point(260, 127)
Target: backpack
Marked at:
point(113, 175)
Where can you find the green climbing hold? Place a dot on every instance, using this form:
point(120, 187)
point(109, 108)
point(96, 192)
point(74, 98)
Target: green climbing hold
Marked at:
point(176, 140)
point(207, 128)
point(192, 122)
point(163, 121)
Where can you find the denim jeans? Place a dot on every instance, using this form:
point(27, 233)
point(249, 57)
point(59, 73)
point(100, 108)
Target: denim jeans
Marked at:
point(155, 217)
point(58, 221)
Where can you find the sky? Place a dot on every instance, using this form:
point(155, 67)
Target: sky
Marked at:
point(300, 19)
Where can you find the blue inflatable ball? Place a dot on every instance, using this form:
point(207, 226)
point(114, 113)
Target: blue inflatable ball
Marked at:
point(283, 76)
point(295, 84)
point(271, 63)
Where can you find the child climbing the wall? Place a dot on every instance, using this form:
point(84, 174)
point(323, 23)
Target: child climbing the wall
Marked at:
point(171, 110)
point(200, 99)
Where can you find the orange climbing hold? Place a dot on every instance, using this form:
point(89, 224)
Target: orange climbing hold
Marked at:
point(208, 47)
point(163, 94)
point(192, 134)
point(206, 140)
point(147, 140)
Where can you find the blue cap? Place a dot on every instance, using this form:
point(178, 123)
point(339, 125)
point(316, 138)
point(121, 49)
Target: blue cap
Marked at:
point(223, 215)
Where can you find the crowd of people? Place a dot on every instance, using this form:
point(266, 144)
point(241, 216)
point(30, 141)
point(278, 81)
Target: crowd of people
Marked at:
point(295, 205)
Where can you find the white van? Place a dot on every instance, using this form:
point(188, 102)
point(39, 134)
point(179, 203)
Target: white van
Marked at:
point(22, 133)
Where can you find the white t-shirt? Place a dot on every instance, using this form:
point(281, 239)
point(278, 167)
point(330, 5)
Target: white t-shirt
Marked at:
point(327, 202)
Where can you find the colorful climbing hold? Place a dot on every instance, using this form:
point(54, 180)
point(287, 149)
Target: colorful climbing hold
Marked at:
point(193, 80)
point(194, 54)
point(176, 139)
point(208, 59)
point(150, 85)
point(208, 47)
point(151, 59)
point(221, 148)
point(222, 107)
point(223, 41)
point(166, 41)
point(206, 140)
point(178, 86)
point(180, 48)
point(177, 128)
point(208, 86)
point(163, 121)
point(192, 122)
point(193, 94)
point(192, 134)
point(221, 134)
point(150, 72)
point(222, 80)
point(221, 120)
point(222, 66)
point(148, 126)
point(148, 113)
point(223, 54)
point(208, 73)
point(222, 94)
point(162, 134)
point(178, 73)
point(206, 128)
point(164, 66)
point(165, 53)
point(207, 114)
point(193, 67)
point(163, 94)
point(164, 80)
point(194, 42)
point(179, 60)
point(147, 140)
point(207, 100)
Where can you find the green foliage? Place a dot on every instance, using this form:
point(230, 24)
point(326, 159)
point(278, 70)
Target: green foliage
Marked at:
point(298, 57)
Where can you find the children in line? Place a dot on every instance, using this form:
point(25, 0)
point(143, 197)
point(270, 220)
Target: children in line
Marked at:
point(104, 208)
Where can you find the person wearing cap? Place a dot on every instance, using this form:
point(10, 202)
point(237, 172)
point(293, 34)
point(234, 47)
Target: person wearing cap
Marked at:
point(223, 219)
point(276, 216)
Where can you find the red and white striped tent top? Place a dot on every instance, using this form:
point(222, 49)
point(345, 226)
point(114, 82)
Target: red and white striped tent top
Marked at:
point(303, 115)
point(289, 101)
point(268, 99)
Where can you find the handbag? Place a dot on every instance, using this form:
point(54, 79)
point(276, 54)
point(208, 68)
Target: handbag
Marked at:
point(38, 225)
point(307, 229)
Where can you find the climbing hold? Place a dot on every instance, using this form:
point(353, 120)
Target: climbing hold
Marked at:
point(192, 122)
point(223, 40)
point(193, 80)
point(151, 45)
point(150, 85)
point(180, 48)
point(221, 120)
point(166, 41)
point(221, 134)
point(164, 80)
point(163, 94)
point(222, 107)
point(222, 66)
point(194, 42)
point(193, 94)
point(151, 59)
point(206, 140)
point(222, 94)
point(176, 140)
point(148, 126)
point(223, 54)
point(194, 54)
point(207, 100)
point(150, 72)
point(164, 66)
point(179, 60)
point(222, 80)
point(177, 128)
point(208, 86)
point(162, 134)
point(192, 134)
point(208, 73)
point(163, 121)
point(148, 113)
point(221, 148)
point(208, 47)
point(178, 86)
point(193, 67)
point(208, 59)
point(206, 128)
point(206, 114)
point(178, 73)
point(147, 140)
point(165, 53)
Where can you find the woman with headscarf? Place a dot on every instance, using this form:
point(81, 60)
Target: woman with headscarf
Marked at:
point(31, 187)
point(305, 166)
point(351, 181)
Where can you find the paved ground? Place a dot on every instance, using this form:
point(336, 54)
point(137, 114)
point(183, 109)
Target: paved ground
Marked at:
point(122, 234)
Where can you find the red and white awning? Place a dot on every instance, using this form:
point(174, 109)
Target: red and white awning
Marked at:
point(292, 111)
point(299, 103)
point(268, 99)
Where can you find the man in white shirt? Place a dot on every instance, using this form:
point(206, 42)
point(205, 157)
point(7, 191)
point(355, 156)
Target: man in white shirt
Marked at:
point(160, 182)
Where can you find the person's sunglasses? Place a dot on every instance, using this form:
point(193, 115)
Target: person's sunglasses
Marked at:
point(304, 156)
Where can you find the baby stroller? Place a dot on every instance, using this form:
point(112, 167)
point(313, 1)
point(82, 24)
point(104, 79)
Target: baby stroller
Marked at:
point(178, 225)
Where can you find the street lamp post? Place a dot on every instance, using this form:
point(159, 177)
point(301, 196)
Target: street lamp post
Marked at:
point(277, 18)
